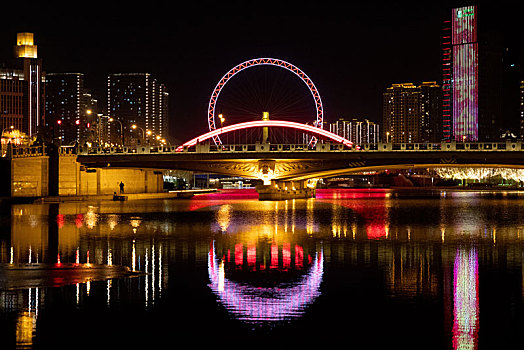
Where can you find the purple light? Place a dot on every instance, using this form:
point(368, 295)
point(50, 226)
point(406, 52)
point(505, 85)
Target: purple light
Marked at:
point(465, 74)
point(466, 303)
point(265, 304)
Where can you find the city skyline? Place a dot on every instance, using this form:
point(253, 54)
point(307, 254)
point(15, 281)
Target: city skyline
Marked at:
point(352, 56)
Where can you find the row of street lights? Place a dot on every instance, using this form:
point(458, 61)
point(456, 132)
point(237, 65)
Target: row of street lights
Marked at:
point(134, 127)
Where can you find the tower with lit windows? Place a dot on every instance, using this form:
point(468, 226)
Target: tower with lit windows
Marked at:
point(356, 130)
point(27, 55)
point(521, 119)
point(480, 73)
point(137, 107)
point(22, 89)
point(430, 100)
point(460, 76)
point(411, 113)
point(65, 106)
point(401, 114)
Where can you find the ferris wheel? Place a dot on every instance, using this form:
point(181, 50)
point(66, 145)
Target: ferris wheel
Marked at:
point(212, 115)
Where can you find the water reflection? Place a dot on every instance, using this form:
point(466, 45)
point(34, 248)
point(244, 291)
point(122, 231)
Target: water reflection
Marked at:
point(466, 301)
point(269, 263)
point(255, 303)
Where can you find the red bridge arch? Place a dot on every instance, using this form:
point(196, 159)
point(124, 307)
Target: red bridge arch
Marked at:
point(267, 123)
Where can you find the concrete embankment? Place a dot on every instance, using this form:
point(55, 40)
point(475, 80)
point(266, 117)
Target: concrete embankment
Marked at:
point(16, 276)
point(124, 196)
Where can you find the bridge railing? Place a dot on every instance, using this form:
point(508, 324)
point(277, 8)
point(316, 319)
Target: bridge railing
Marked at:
point(372, 147)
point(319, 147)
point(23, 151)
point(145, 149)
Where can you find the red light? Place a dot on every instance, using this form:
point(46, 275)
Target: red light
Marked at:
point(274, 256)
point(262, 123)
point(88, 125)
point(239, 254)
point(299, 257)
point(77, 122)
point(59, 122)
point(252, 256)
point(60, 219)
point(286, 255)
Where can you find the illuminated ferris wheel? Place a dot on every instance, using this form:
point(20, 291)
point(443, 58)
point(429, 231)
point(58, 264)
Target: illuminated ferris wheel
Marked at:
point(258, 62)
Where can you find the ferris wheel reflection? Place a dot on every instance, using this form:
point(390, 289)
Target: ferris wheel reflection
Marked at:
point(262, 304)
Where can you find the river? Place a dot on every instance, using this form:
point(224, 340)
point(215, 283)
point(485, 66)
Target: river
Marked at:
point(367, 268)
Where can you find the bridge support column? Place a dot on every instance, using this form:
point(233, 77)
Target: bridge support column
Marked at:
point(282, 190)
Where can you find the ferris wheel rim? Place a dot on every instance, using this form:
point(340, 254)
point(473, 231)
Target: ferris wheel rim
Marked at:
point(259, 62)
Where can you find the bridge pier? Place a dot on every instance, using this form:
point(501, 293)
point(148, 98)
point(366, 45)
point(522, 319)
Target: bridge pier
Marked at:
point(282, 190)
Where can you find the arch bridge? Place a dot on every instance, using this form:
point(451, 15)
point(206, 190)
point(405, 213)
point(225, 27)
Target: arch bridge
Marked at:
point(292, 169)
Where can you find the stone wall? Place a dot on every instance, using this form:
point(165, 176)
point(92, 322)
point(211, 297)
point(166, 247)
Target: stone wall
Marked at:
point(30, 176)
point(107, 181)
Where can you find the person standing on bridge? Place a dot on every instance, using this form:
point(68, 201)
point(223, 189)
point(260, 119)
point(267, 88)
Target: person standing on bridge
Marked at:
point(121, 187)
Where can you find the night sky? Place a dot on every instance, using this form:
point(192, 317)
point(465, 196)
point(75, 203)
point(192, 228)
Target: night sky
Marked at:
point(352, 53)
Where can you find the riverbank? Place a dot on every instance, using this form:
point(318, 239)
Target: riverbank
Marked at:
point(431, 188)
point(22, 276)
point(109, 197)
point(240, 193)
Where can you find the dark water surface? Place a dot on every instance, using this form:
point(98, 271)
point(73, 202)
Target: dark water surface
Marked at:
point(358, 268)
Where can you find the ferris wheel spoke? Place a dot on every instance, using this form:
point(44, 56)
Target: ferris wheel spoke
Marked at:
point(289, 108)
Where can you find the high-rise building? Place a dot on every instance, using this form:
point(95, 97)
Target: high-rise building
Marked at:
point(22, 89)
point(31, 65)
point(401, 114)
point(355, 130)
point(430, 100)
point(12, 92)
point(521, 131)
point(136, 99)
point(66, 110)
point(461, 79)
point(480, 80)
point(412, 113)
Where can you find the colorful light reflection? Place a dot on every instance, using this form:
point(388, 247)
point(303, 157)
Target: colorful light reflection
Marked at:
point(466, 304)
point(374, 212)
point(256, 304)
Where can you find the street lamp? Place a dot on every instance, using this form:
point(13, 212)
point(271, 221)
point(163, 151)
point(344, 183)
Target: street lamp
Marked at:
point(134, 127)
point(387, 137)
point(121, 129)
point(222, 119)
point(10, 128)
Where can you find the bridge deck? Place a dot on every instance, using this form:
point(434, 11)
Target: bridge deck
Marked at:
point(300, 161)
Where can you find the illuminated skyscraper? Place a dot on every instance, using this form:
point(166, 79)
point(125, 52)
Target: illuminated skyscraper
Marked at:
point(22, 92)
point(67, 107)
point(137, 99)
point(12, 88)
point(521, 134)
point(460, 82)
point(412, 113)
point(26, 54)
point(355, 130)
point(480, 79)
point(430, 100)
point(401, 114)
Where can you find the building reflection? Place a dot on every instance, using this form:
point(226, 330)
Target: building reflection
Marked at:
point(466, 299)
point(266, 260)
